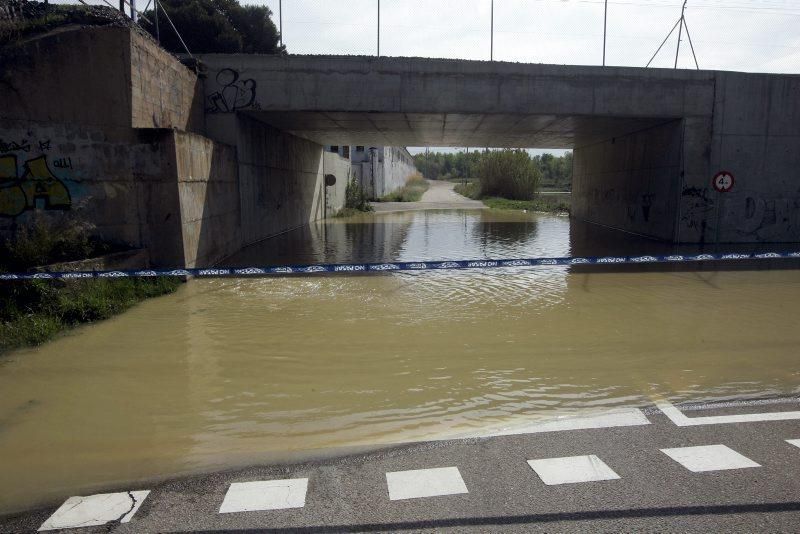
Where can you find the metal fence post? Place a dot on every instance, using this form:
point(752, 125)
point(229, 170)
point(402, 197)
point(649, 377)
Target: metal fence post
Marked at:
point(605, 26)
point(379, 28)
point(491, 35)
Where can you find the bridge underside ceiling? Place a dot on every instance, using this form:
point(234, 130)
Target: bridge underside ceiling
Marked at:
point(453, 129)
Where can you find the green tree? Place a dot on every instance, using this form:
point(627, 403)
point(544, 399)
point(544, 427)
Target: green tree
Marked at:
point(509, 174)
point(556, 171)
point(215, 26)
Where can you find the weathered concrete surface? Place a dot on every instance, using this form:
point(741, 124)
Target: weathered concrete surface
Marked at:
point(756, 136)
point(102, 76)
point(95, 117)
point(413, 101)
point(208, 192)
point(628, 182)
point(171, 192)
point(342, 169)
point(281, 180)
point(647, 141)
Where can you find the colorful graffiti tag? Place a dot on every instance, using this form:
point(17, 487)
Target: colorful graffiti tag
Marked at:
point(36, 188)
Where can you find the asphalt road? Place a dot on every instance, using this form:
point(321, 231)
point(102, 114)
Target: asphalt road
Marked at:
point(653, 492)
point(439, 196)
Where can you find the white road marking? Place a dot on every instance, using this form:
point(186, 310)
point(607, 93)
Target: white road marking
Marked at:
point(795, 442)
point(425, 483)
point(709, 458)
point(617, 418)
point(677, 417)
point(265, 495)
point(95, 510)
point(572, 470)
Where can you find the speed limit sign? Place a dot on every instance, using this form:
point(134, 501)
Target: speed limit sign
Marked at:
point(723, 181)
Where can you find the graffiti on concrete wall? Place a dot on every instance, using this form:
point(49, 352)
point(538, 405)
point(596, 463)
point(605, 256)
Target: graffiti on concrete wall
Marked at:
point(743, 215)
point(28, 183)
point(697, 208)
point(762, 218)
point(233, 93)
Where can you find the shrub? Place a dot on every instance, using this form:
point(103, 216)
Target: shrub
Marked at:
point(509, 174)
point(355, 198)
point(469, 189)
point(45, 240)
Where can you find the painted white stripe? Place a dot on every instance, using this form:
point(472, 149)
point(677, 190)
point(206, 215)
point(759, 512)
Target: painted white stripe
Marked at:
point(572, 470)
point(617, 418)
point(709, 458)
point(425, 483)
point(795, 442)
point(265, 495)
point(677, 417)
point(95, 510)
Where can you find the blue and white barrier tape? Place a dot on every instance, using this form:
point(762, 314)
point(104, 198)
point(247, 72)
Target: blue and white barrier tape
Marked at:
point(398, 266)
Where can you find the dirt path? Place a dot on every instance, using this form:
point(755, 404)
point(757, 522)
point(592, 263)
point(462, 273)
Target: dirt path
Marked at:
point(439, 196)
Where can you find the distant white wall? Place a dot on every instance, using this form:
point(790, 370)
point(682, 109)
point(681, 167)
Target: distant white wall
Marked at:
point(382, 170)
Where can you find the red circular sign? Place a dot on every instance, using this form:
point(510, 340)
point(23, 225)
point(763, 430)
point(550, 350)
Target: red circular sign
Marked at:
point(723, 181)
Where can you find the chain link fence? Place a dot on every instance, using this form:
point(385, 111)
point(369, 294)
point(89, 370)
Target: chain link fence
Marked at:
point(744, 35)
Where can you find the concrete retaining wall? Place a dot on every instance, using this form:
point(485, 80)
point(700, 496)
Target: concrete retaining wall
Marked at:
point(208, 191)
point(341, 168)
point(755, 135)
point(164, 93)
point(91, 129)
point(103, 76)
point(630, 182)
point(171, 192)
point(103, 180)
point(281, 183)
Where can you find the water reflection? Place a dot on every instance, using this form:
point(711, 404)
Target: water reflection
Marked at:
point(413, 236)
point(232, 372)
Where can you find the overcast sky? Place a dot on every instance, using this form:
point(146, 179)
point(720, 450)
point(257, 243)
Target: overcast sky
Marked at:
point(744, 35)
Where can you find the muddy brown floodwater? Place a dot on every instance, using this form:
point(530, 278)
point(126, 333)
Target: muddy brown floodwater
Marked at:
point(227, 373)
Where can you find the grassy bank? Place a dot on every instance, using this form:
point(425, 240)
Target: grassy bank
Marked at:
point(33, 312)
point(415, 187)
point(543, 203)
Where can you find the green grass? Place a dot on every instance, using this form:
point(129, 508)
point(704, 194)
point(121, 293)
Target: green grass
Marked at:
point(544, 203)
point(540, 203)
point(32, 313)
point(411, 192)
point(470, 190)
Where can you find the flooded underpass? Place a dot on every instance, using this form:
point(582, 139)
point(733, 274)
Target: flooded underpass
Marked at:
point(234, 372)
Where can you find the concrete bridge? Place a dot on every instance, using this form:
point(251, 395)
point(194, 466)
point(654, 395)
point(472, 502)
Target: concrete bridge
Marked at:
point(192, 167)
point(647, 142)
